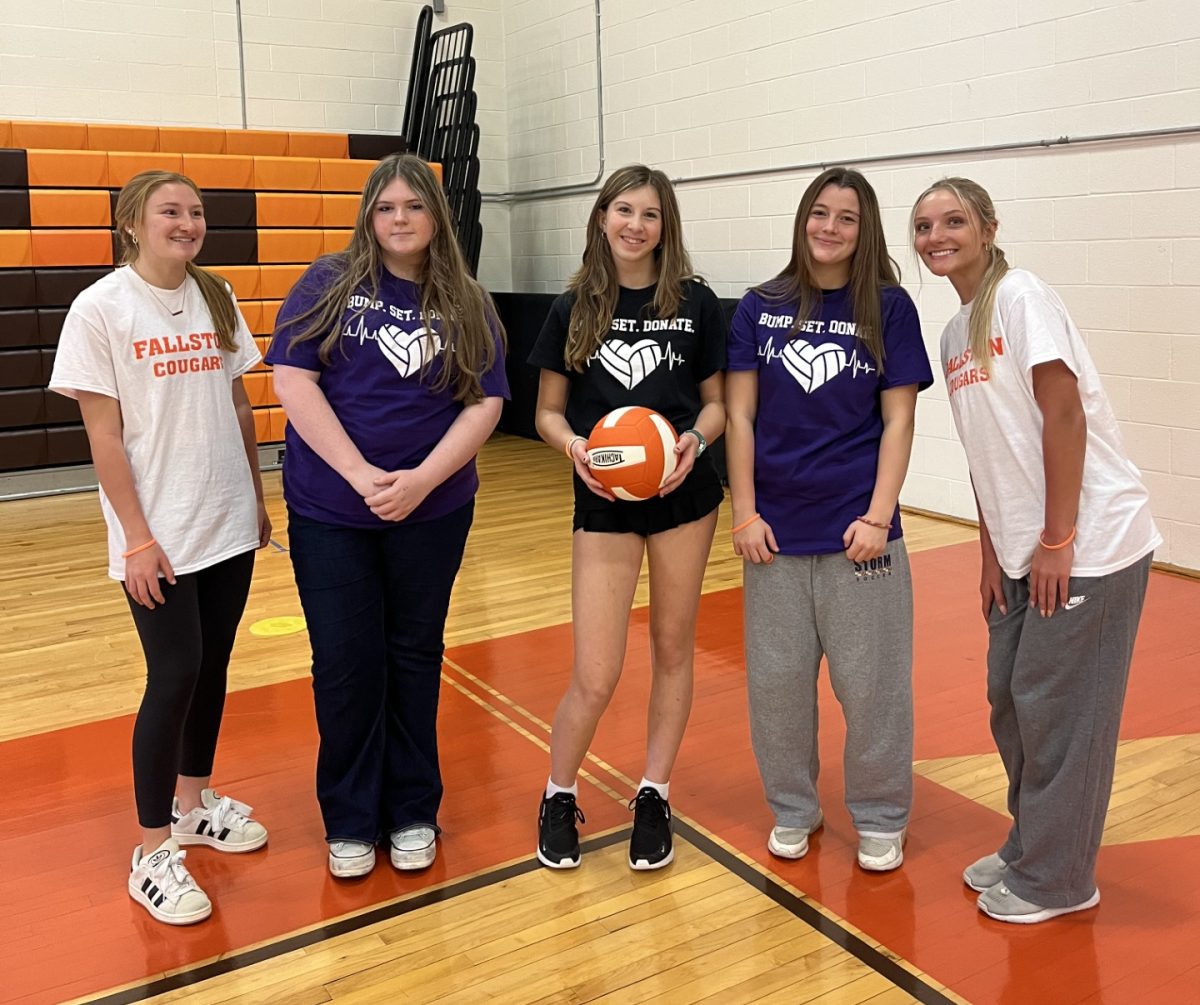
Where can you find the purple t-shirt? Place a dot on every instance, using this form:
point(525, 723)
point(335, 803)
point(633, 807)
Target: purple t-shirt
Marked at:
point(816, 436)
point(374, 385)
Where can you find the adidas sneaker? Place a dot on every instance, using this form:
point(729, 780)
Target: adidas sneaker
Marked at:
point(160, 882)
point(219, 822)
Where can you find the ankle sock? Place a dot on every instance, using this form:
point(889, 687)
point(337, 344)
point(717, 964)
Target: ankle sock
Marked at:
point(553, 790)
point(662, 788)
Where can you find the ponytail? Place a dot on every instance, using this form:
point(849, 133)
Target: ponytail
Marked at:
point(215, 292)
point(979, 329)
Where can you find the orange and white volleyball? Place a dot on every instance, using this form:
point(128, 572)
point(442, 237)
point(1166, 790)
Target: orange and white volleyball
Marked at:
point(631, 452)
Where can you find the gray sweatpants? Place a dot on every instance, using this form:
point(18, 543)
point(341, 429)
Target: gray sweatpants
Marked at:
point(858, 615)
point(1056, 686)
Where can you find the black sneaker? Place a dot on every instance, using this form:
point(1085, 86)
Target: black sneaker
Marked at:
point(558, 838)
point(650, 846)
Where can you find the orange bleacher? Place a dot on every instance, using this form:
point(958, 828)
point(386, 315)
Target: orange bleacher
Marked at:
point(305, 189)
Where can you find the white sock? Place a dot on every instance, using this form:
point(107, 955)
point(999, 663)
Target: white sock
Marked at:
point(662, 788)
point(553, 790)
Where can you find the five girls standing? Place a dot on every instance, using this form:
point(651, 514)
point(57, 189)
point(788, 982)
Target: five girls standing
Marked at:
point(389, 360)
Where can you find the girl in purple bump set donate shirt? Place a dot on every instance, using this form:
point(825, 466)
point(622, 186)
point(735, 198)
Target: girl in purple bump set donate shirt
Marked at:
point(825, 362)
point(389, 359)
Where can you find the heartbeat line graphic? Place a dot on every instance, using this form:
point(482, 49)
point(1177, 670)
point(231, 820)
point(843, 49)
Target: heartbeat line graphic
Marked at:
point(855, 365)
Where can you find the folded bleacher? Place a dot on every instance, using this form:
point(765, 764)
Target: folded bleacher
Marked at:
point(274, 201)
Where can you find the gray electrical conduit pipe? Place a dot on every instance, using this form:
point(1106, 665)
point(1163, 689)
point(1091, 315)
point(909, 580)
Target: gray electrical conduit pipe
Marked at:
point(559, 191)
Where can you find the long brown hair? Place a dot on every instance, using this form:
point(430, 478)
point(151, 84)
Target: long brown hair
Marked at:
point(131, 207)
point(448, 293)
point(871, 267)
point(978, 205)
point(595, 281)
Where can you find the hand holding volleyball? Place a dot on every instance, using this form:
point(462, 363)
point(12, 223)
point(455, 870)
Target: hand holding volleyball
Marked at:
point(631, 452)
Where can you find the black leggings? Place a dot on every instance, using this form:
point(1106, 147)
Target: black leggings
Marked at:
point(187, 642)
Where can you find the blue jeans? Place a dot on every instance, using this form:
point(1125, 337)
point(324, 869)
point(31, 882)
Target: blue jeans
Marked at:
point(376, 602)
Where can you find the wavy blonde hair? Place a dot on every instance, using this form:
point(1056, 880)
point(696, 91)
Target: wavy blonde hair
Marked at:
point(978, 205)
point(448, 292)
point(595, 281)
point(871, 267)
point(128, 214)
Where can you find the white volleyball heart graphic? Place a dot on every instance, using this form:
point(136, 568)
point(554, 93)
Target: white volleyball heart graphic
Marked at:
point(407, 351)
point(630, 364)
point(813, 365)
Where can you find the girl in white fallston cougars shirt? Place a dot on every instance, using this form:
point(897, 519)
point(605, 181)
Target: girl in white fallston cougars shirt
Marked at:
point(154, 353)
point(1067, 539)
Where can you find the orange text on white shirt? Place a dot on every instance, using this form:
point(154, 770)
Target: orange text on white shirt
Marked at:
point(960, 375)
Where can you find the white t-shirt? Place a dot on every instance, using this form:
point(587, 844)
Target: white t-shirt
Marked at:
point(181, 431)
point(1000, 425)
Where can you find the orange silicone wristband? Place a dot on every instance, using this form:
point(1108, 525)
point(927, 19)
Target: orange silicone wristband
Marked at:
point(1060, 545)
point(141, 547)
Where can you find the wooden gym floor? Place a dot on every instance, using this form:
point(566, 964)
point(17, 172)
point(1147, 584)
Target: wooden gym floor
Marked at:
point(725, 923)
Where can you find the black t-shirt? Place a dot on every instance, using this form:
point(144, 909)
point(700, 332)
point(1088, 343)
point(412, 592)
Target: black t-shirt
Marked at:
point(644, 360)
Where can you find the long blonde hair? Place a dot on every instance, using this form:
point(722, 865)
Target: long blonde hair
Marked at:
point(131, 207)
point(871, 267)
point(448, 293)
point(978, 205)
point(595, 281)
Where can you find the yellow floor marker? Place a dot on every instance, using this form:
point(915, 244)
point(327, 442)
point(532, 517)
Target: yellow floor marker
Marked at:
point(271, 627)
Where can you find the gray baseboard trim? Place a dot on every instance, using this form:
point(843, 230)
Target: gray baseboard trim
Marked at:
point(82, 477)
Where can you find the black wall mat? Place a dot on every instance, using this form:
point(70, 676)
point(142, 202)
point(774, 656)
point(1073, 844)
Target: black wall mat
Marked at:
point(14, 169)
point(230, 209)
point(21, 368)
point(17, 288)
point(523, 315)
point(22, 408)
point(14, 209)
point(61, 409)
point(373, 146)
point(67, 446)
point(18, 328)
point(24, 448)
point(58, 287)
point(229, 247)
point(50, 321)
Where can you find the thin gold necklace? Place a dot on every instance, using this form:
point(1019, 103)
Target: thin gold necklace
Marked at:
point(162, 303)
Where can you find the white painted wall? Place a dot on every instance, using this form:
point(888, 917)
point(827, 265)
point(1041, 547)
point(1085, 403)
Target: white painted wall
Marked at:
point(701, 87)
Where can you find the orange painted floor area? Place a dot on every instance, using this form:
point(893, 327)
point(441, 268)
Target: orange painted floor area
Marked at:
point(69, 929)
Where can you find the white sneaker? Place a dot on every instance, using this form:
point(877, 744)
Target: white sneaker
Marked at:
point(880, 854)
point(1001, 903)
point(161, 883)
point(414, 847)
point(792, 842)
point(985, 873)
point(219, 822)
point(351, 858)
